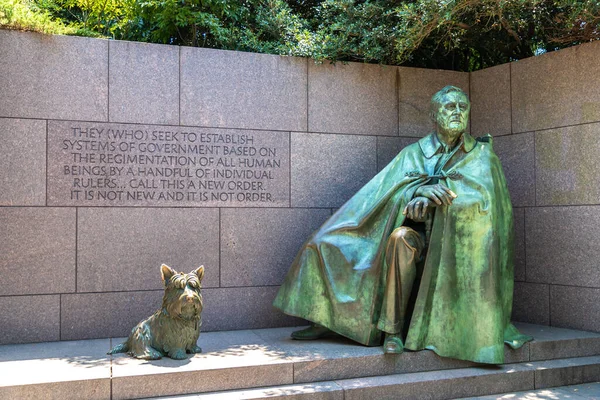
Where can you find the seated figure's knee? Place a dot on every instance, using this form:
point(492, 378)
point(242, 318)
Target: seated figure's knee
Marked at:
point(402, 232)
point(408, 236)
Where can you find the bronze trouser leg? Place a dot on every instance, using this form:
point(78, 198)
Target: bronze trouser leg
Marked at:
point(403, 251)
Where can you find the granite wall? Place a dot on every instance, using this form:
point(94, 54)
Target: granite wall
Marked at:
point(545, 114)
point(81, 245)
point(83, 235)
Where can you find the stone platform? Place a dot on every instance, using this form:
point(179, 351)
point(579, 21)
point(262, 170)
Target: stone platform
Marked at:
point(586, 391)
point(266, 363)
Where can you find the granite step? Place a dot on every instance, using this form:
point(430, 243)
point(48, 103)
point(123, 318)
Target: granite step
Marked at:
point(447, 384)
point(586, 391)
point(265, 358)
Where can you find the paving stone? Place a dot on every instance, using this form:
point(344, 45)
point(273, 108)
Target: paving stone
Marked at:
point(118, 242)
point(562, 246)
point(552, 343)
point(490, 101)
point(144, 84)
point(554, 89)
point(328, 359)
point(340, 358)
point(542, 394)
point(60, 370)
point(230, 360)
point(101, 315)
point(328, 169)
point(566, 165)
point(27, 319)
point(73, 390)
point(258, 245)
point(53, 76)
point(231, 89)
point(353, 98)
point(575, 307)
point(516, 153)
point(588, 391)
point(313, 391)
point(531, 303)
point(342, 368)
point(22, 162)
point(519, 221)
point(269, 358)
point(517, 355)
point(416, 87)
point(429, 361)
point(388, 148)
point(247, 307)
point(440, 384)
point(563, 372)
point(38, 250)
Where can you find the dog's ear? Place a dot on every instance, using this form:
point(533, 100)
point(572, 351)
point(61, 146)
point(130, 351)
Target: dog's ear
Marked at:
point(199, 272)
point(166, 273)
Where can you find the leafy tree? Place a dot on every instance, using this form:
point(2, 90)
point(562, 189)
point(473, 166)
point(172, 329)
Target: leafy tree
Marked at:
point(16, 14)
point(460, 34)
point(451, 34)
point(263, 26)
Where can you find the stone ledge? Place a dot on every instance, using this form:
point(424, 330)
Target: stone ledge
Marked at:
point(554, 343)
point(448, 384)
point(237, 360)
point(474, 381)
point(55, 370)
point(589, 391)
point(312, 391)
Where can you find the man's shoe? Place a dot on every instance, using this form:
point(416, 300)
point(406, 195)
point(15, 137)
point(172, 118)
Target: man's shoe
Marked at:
point(312, 332)
point(393, 344)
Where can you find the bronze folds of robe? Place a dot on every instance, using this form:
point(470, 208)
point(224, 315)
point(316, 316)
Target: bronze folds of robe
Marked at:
point(340, 278)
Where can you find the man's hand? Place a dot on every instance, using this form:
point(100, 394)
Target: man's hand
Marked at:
point(437, 193)
point(418, 208)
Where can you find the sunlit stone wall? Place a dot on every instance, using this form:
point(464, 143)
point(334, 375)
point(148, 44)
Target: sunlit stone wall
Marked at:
point(116, 157)
point(545, 111)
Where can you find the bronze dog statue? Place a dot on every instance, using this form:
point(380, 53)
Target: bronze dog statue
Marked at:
point(174, 329)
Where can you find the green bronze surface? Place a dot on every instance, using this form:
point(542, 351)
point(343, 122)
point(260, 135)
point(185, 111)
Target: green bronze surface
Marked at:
point(451, 188)
point(174, 329)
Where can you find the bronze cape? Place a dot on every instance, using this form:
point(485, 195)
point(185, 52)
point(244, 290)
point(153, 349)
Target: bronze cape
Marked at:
point(464, 300)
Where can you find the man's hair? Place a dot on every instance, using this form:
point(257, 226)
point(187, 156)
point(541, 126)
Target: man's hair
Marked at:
point(436, 99)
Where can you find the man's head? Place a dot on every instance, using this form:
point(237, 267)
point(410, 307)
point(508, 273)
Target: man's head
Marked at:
point(450, 109)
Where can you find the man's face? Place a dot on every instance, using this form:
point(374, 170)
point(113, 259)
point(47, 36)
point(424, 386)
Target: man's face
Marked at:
point(453, 115)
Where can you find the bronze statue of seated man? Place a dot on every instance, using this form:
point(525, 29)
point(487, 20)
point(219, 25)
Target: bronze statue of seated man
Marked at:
point(422, 256)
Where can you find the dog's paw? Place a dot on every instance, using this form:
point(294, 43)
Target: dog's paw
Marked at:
point(149, 354)
point(195, 350)
point(178, 354)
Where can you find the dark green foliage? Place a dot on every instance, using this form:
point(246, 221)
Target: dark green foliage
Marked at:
point(19, 15)
point(462, 35)
point(451, 34)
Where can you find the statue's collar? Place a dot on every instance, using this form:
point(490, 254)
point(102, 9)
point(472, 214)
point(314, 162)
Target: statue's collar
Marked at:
point(430, 145)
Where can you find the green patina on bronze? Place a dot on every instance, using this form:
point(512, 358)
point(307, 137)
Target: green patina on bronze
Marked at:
point(174, 329)
point(464, 301)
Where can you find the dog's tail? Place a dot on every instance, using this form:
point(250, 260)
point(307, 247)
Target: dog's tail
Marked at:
point(120, 348)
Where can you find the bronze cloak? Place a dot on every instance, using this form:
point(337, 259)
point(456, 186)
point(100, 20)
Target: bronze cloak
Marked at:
point(464, 300)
